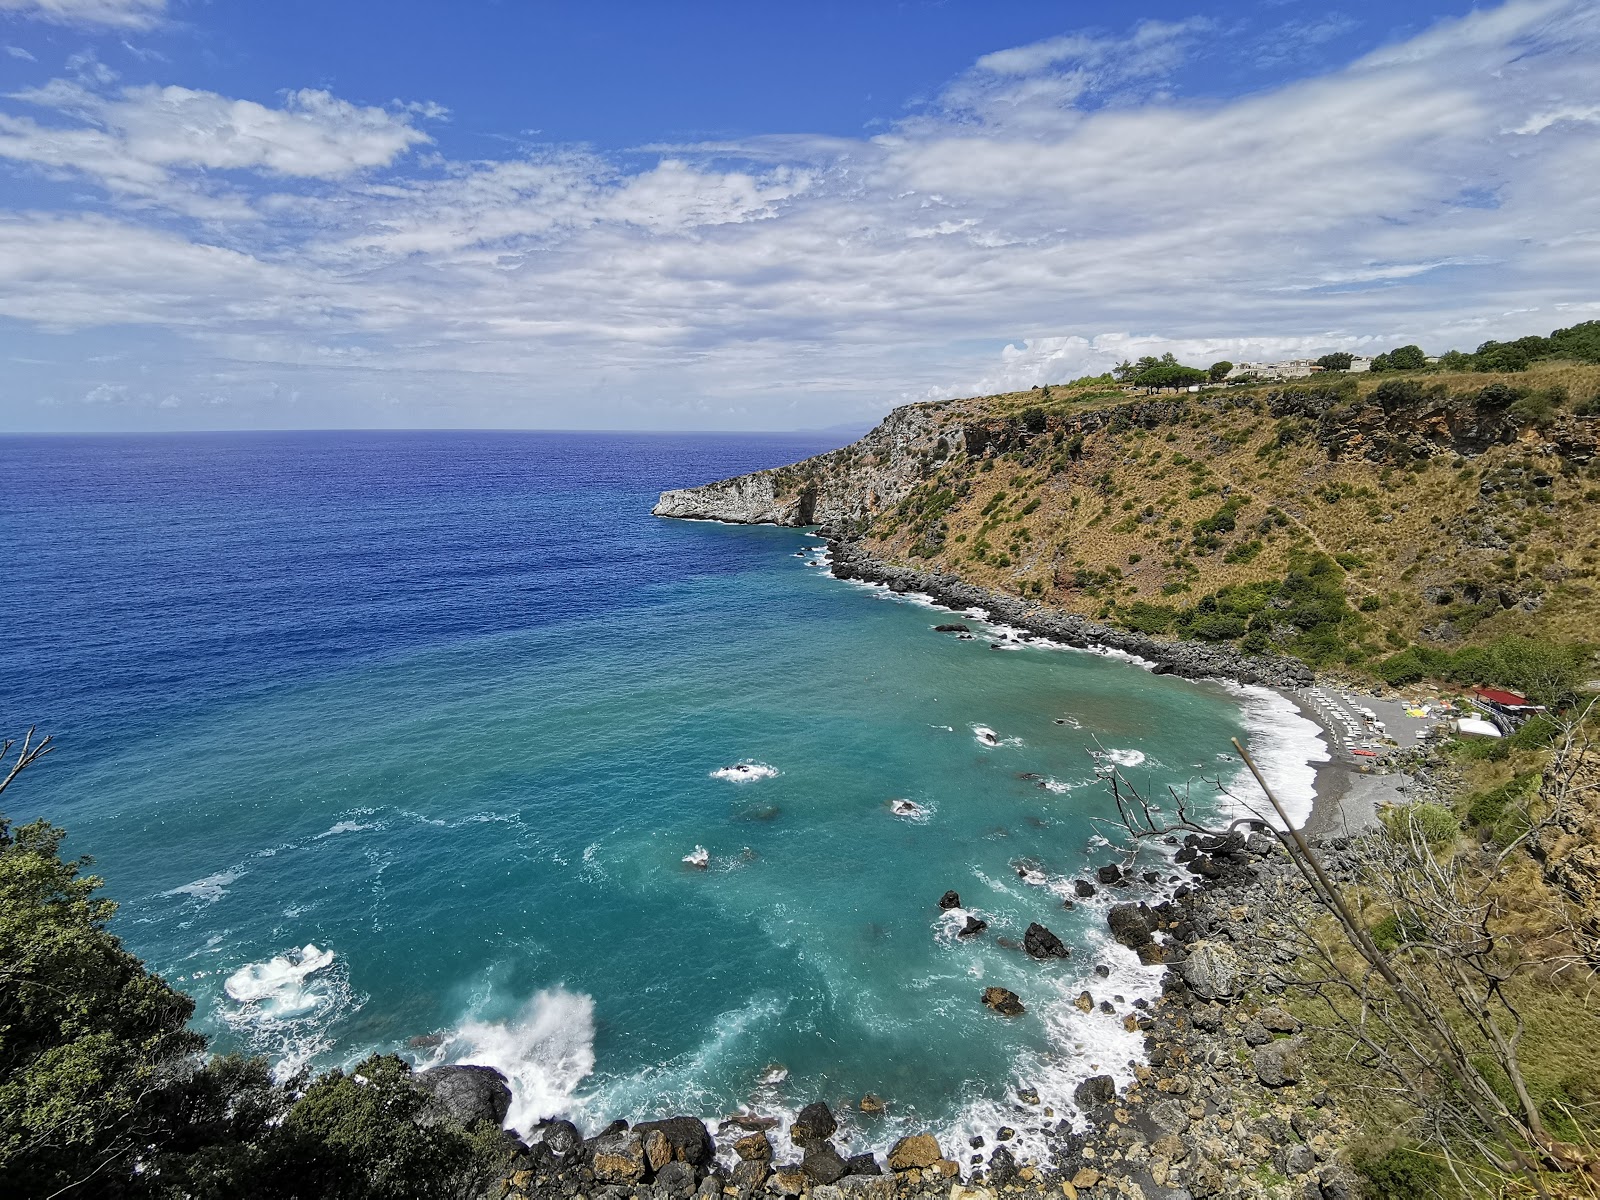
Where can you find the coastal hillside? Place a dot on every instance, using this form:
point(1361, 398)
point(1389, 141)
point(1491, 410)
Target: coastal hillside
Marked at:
point(1379, 521)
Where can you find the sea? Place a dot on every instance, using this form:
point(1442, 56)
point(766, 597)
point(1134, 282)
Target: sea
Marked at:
point(440, 744)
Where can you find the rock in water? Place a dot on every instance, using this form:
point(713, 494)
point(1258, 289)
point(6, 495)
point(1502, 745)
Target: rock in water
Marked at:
point(950, 900)
point(754, 1148)
point(1083, 888)
point(917, 1152)
point(468, 1094)
point(1040, 943)
point(1003, 1001)
point(1211, 969)
point(1110, 873)
point(1002, 1167)
point(814, 1124)
point(1128, 925)
point(973, 927)
point(872, 1103)
point(952, 627)
point(1095, 1091)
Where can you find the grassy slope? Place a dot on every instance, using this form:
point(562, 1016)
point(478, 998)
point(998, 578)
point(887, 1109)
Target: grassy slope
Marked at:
point(1084, 547)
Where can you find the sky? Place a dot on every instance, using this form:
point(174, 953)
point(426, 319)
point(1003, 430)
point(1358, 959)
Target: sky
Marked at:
point(751, 216)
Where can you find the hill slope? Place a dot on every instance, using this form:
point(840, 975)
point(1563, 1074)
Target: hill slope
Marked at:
point(1339, 519)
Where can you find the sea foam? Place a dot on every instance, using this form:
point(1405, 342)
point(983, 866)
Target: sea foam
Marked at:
point(744, 772)
point(1286, 746)
point(546, 1051)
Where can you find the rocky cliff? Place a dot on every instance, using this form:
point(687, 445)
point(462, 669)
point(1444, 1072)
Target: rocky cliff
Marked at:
point(844, 488)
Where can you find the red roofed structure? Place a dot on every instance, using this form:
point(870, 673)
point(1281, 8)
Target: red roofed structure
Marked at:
point(1503, 698)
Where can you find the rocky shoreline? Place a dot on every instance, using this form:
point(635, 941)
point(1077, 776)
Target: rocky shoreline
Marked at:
point(1190, 659)
point(1222, 1105)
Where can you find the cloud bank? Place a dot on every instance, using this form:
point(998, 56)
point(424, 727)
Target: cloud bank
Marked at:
point(1055, 209)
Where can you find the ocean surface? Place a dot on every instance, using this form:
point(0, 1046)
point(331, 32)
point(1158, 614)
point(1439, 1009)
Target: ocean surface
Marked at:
point(441, 744)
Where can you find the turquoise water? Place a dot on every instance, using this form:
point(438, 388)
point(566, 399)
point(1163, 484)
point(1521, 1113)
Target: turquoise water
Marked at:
point(456, 723)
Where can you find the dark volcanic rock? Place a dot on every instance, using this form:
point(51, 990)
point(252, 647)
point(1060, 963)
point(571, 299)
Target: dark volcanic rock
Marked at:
point(973, 927)
point(1040, 943)
point(468, 1094)
point(1096, 1090)
point(1110, 873)
point(862, 1164)
point(952, 627)
point(1002, 1167)
point(814, 1124)
point(560, 1137)
point(1083, 888)
point(950, 900)
point(1129, 925)
point(675, 1181)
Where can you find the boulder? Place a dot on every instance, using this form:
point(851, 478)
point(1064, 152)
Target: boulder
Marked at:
point(1278, 1021)
point(750, 1175)
point(790, 1181)
point(690, 1140)
point(822, 1162)
point(657, 1150)
point(1211, 969)
point(1109, 874)
point(468, 1094)
point(862, 1164)
point(1040, 943)
point(1003, 1001)
point(919, 1151)
point(1083, 888)
point(950, 900)
point(814, 1124)
point(561, 1138)
point(675, 1181)
point(754, 1147)
point(1169, 1116)
point(1152, 955)
point(872, 1103)
point(952, 627)
point(618, 1157)
point(1279, 1064)
point(1095, 1091)
point(973, 927)
point(1254, 1033)
point(856, 1187)
point(1084, 1002)
point(1129, 925)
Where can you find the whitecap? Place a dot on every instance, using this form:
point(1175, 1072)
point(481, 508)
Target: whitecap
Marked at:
point(344, 827)
point(279, 986)
point(699, 858)
point(210, 889)
point(544, 1052)
point(744, 772)
point(988, 737)
point(1121, 758)
point(910, 810)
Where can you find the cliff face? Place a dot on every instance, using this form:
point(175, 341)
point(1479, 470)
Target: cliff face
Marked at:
point(1336, 520)
point(843, 489)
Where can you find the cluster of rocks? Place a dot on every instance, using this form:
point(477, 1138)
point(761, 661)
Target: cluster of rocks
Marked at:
point(1190, 659)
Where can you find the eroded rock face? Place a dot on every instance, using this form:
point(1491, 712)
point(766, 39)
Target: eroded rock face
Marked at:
point(468, 1094)
point(1570, 847)
point(842, 488)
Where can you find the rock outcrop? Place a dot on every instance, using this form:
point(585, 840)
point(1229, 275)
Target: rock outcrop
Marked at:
point(468, 1094)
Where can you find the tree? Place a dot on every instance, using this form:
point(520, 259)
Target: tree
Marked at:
point(1219, 370)
point(1173, 375)
point(1407, 358)
point(1033, 419)
point(1337, 361)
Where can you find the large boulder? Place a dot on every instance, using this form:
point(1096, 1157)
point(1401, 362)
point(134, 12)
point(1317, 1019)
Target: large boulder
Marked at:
point(1003, 1001)
point(823, 1163)
point(618, 1157)
point(675, 1181)
point(468, 1094)
point(919, 1151)
point(1279, 1064)
point(561, 1138)
point(1095, 1091)
point(950, 900)
point(1212, 970)
point(1002, 1167)
point(1040, 943)
point(754, 1147)
point(1129, 925)
point(814, 1124)
point(687, 1136)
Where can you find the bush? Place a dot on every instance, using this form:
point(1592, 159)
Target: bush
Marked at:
point(1436, 823)
point(1487, 808)
point(1401, 1174)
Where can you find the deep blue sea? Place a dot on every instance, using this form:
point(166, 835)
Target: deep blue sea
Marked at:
point(417, 741)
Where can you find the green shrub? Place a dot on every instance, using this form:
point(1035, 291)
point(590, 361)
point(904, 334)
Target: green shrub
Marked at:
point(1436, 823)
point(1402, 1173)
point(1486, 809)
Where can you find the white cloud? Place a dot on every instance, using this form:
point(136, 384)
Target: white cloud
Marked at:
point(111, 14)
point(19, 52)
point(1055, 211)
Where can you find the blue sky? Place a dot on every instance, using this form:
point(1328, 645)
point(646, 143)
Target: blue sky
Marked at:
point(719, 215)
